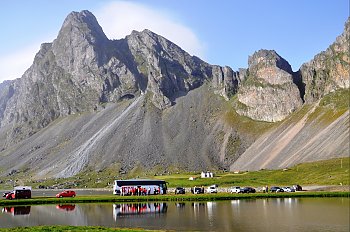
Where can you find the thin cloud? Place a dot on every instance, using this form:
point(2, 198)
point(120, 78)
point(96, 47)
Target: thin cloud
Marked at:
point(13, 65)
point(118, 19)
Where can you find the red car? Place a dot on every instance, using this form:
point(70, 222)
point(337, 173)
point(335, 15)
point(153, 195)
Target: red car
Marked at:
point(66, 193)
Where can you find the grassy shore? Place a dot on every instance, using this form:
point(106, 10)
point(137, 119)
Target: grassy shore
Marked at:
point(186, 197)
point(70, 228)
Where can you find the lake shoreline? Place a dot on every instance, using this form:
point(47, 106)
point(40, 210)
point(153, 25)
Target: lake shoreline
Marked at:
point(168, 198)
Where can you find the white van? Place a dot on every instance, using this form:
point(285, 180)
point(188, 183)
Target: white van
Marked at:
point(212, 189)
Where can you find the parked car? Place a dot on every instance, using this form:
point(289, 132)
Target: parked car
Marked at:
point(212, 189)
point(247, 190)
point(5, 193)
point(236, 189)
point(276, 189)
point(180, 190)
point(67, 193)
point(20, 192)
point(297, 187)
point(197, 190)
point(288, 189)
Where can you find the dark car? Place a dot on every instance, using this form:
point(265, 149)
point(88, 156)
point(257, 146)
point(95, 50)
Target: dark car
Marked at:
point(197, 190)
point(276, 189)
point(66, 193)
point(180, 190)
point(297, 187)
point(247, 190)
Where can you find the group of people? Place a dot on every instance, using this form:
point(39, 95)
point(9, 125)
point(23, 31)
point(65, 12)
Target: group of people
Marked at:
point(139, 191)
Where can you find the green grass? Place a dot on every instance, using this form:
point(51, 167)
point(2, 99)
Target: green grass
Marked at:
point(243, 124)
point(328, 172)
point(69, 228)
point(331, 107)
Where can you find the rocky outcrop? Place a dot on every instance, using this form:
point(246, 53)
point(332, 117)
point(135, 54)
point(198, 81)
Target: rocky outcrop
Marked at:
point(6, 92)
point(329, 70)
point(268, 93)
point(166, 68)
point(225, 81)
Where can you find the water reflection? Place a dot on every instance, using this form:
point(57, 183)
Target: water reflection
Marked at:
point(17, 210)
point(290, 214)
point(180, 205)
point(138, 208)
point(66, 207)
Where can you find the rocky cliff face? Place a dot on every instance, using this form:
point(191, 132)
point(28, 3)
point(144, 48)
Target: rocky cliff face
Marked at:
point(225, 80)
point(268, 93)
point(166, 69)
point(329, 70)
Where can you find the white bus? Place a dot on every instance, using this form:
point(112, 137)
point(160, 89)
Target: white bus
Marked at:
point(139, 187)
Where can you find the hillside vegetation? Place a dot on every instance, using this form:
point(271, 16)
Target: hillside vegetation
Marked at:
point(328, 172)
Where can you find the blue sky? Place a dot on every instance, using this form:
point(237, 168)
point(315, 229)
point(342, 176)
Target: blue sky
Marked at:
point(222, 32)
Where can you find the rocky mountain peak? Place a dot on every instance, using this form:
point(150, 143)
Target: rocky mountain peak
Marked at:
point(268, 93)
point(269, 66)
point(84, 24)
point(265, 57)
point(80, 47)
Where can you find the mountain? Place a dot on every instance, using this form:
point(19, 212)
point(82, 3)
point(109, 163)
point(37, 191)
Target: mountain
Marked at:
point(142, 103)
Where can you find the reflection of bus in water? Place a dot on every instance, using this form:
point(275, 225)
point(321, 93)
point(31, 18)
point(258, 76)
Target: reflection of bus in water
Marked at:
point(120, 210)
point(139, 187)
point(17, 210)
